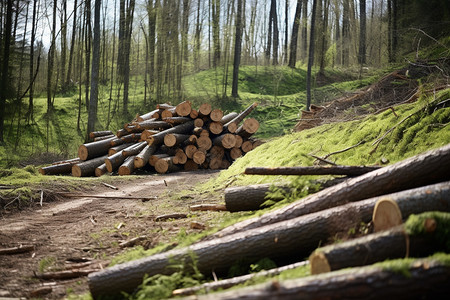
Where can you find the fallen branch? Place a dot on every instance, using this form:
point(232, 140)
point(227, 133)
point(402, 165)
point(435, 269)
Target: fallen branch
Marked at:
point(227, 283)
point(170, 216)
point(110, 186)
point(205, 207)
point(344, 150)
point(69, 195)
point(68, 274)
point(132, 242)
point(17, 250)
point(294, 238)
point(420, 170)
point(334, 170)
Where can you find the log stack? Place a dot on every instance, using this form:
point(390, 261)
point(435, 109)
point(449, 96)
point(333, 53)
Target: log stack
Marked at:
point(168, 139)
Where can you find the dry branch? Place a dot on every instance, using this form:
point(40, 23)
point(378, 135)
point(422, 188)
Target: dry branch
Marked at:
point(17, 250)
point(334, 170)
point(206, 207)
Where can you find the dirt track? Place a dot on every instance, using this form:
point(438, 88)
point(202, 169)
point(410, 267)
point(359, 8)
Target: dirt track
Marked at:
point(76, 228)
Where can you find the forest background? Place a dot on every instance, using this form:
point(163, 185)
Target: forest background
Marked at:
point(69, 67)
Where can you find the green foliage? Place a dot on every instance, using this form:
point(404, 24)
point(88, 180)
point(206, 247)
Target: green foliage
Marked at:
point(440, 237)
point(46, 263)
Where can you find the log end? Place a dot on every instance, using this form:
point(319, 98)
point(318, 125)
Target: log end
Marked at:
point(42, 171)
point(161, 166)
point(319, 263)
point(386, 214)
point(76, 171)
point(83, 152)
point(109, 165)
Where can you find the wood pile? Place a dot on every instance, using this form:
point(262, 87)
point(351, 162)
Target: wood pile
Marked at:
point(169, 139)
point(383, 197)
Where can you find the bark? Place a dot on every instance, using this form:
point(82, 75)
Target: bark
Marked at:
point(94, 134)
point(232, 125)
point(420, 170)
point(426, 277)
point(310, 55)
point(294, 37)
point(274, 241)
point(64, 168)
point(154, 114)
point(114, 161)
point(101, 170)
point(151, 124)
point(87, 168)
point(208, 207)
point(94, 149)
point(237, 50)
point(158, 139)
point(66, 274)
point(115, 149)
point(134, 149)
point(228, 117)
point(316, 170)
point(17, 250)
point(250, 197)
point(177, 120)
point(142, 158)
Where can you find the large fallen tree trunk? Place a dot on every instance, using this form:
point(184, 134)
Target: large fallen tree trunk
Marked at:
point(426, 168)
point(332, 170)
point(294, 239)
point(421, 236)
point(251, 197)
point(426, 278)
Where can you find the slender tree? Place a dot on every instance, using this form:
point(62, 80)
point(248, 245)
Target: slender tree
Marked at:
point(362, 32)
point(294, 35)
point(51, 60)
point(92, 114)
point(31, 68)
point(311, 55)
point(237, 50)
point(72, 43)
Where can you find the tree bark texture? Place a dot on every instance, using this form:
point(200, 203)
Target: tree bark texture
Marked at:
point(275, 241)
point(249, 197)
point(88, 167)
point(420, 170)
point(94, 149)
point(332, 170)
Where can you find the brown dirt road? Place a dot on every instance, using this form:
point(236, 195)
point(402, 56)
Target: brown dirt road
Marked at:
point(68, 231)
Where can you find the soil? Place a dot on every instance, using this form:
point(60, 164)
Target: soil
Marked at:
point(70, 231)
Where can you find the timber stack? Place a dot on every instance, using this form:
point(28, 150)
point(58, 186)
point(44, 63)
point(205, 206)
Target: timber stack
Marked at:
point(168, 139)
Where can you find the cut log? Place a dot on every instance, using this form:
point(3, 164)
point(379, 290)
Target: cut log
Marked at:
point(248, 128)
point(235, 153)
point(183, 109)
point(94, 149)
point(204, 109)
point(158, 139)
point(190, 150)
point(228, 283)
point(215, 163)
point(168, 113)
point(67, 274)
point(101, 138)
point(170, 216)
point(199, 157)
point(217, 151)
point(226, 140)
point(153, 125)
point(163, 106)
point(121, 132)
point(58, 169)
point(180, 157)
point(204, 143)
point(127, 167)
point(129, 138)
point(177, 120)
point(190, 165)
point(142, 158)
point(215, 128)
point(274, 241)
point(71, 160)
point(115, 149)
point(199, 123)
point(173, 139)
point(154, 114)
point(155, 157)
point(166, 165)
point(397, 242)
point(216, 115)
point(316, 170)
point(426, 278)
point(225, 164)
point(208, 207)
point(96, 134)
point(228, 117)
point(239, 141)
point(134, 149)
point(257, 143)
point(386, 214)
point(426, 168)
point(232, 125)
point(88, 167)
point(100, 170)
point(251, 197)
point(247, 146)
point(114, 161)
point(133, 129)
point(194, 114)
point(198, 131)
point(146, 134)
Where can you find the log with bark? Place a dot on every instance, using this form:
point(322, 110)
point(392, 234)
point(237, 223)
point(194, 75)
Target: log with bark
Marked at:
point(88, 167)
point(426, 278)
point(101, 170)
point(248, 128)
point(142, 158)
point(134, 149)
point(315, 170)
point(274, 241)
point(232, 125)
point(94, 149)
point(127, 167)
point(64, 168)
point(158, 138)
point(183, 109)
point(114, 161)
point(95, 134)
point(426, 168)
point(420, 236)
point(17, 250)
point(251, 197)
point(166, 165)
point(226, 140)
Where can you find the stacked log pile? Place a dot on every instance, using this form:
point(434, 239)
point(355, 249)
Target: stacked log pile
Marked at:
point(384, 197)
point(169, 139)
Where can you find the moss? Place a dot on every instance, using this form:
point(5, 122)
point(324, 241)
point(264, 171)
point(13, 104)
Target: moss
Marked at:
point(440, 236)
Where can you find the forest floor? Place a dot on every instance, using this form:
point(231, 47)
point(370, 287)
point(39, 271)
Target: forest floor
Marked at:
point(72, 230)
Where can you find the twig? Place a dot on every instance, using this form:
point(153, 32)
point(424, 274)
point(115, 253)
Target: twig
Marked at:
point(42, 197)
point(17, 250)
point(323, 160)
point(132, 242)
point(68, 274)
point(346, 149)
point(205, 207)
point(110, 186)
point(170, 216)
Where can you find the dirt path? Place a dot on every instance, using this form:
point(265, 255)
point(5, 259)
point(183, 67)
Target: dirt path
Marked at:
point(80, 229)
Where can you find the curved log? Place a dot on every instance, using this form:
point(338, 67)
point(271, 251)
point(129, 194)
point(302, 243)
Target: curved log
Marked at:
point(426, 168)
point(294, 238)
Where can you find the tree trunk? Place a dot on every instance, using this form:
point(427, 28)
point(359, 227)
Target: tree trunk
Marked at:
point(237, 50)
point(310, 55)
point(362, 33)
point(232, 125)
point(5, 48)
point(88, 167)
point(426, 168)
point(58, 169)
point(251, 197)
point(294, 37)
point(94, 149)
point(142, 158)
point(100, 170)
point(426, 277)
point(332, 170)
point(274, 241)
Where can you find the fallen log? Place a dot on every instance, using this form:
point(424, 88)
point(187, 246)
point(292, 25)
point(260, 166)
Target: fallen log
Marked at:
point(90, 150)
point(426, 168)
point(230, 282)
point(142, 158)
point(316, 170)
point(95, 134)
point(251, 197)
point(88, 167)
point(426, 278)
point(232, 125)
point(67, 274)
point(274, 241)
point(64, 168)
point(421, 235)
point(170, 216)
point(17, 250)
